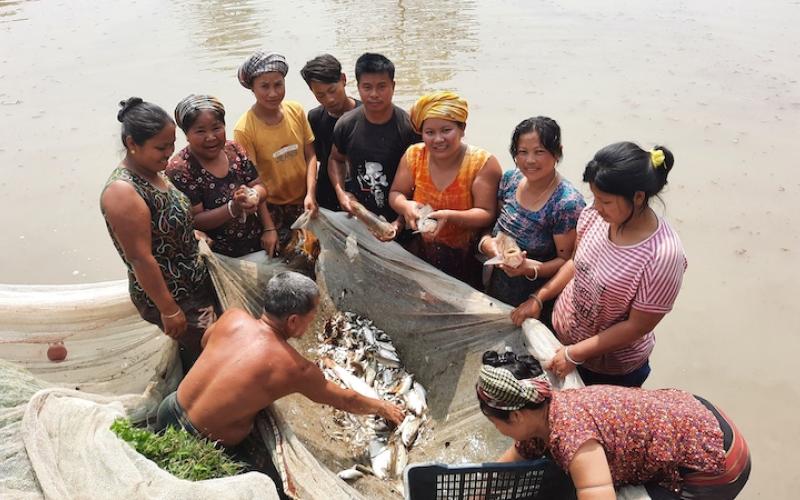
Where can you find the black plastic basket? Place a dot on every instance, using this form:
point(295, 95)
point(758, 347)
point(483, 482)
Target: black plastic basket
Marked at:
point(530, 480)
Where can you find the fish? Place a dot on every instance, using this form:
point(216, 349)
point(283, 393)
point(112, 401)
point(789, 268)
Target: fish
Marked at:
point(382, 457)
point(415, 399)
point(351, 380)
point(350, 474)
point(424, 223)
point(400, 459)
point(379, 227)
point(387, 358)
point(404, 386)
point(508, 252)
point(370, 372)
point(408, 430)
point(385, 345)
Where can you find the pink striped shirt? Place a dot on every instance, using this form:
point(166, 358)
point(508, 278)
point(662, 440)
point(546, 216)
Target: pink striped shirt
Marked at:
point(610, 280)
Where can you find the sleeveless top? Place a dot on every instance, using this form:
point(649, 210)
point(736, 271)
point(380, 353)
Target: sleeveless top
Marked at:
point(173, 243)
point(456, 196)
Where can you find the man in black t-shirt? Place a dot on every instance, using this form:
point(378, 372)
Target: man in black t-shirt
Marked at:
point(369, 141)
point(324, 77)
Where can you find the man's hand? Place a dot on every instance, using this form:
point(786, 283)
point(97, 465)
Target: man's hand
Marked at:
point(391, 412)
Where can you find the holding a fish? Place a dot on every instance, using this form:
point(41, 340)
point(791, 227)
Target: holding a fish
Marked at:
point(445, 188)
point(228, 199)
point(534, 234)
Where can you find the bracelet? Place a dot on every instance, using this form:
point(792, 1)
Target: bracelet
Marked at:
point(535, 274)
point(230, 210)
point(268, 229)
point(566, 355)
point(537, 300)
point(480, 243)
point(173, 314)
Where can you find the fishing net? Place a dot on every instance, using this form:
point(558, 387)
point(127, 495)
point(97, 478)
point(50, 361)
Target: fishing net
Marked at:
point(54, 417)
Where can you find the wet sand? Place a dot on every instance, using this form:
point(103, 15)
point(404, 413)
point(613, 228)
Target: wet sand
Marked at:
point(715, 81)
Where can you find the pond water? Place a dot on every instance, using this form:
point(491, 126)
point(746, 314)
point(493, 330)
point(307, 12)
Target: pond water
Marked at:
point(716, 81)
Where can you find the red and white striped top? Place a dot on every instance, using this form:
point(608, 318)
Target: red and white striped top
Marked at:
point(610, 280)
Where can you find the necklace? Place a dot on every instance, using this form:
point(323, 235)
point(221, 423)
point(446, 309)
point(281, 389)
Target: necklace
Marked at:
point(539, 196)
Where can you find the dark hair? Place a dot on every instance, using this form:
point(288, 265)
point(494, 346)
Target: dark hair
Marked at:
point(141, 120)
point(323, 69)
point(290, 293)
point(546, 128)
point(624, 168)
point(370, 62)
point(522, 367)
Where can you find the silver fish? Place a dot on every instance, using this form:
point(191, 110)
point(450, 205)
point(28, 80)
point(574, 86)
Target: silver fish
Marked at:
point(370, 373)
point(350, 474)
point(400, 460)
point(351, 380)
point(387, 358)
point(408, 430)
point(415, 400)
point(385, 345)
point(404, 386)
point(382, 457)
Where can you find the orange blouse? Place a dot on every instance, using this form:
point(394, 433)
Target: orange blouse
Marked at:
point(456, 196)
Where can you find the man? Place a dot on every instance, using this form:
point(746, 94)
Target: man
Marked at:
point(324, 77)
point(371, 139)
point(247, 364)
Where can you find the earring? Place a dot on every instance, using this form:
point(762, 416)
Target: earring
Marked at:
point(132, 151)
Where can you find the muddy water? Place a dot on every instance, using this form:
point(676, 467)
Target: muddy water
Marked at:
point(716, 81)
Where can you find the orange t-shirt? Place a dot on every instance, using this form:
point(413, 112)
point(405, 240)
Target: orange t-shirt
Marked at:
point(456, 196)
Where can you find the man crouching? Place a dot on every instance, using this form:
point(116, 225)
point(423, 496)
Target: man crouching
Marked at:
point(247, 363)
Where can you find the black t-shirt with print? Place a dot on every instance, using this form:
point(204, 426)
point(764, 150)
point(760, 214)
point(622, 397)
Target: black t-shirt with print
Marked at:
point(373, 153)
point(322, 124)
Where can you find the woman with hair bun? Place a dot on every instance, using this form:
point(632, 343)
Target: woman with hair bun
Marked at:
point(624, 276)
point(150, 223)
point(673, 443)
point(228, 199)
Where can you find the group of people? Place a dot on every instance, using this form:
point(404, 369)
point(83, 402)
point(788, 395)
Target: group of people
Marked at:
point(601, 276)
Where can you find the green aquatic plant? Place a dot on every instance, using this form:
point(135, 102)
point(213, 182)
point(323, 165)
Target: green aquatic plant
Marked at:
point(178, 452)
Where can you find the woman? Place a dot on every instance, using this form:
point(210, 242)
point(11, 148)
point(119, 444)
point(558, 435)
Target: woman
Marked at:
point(214, 174)
point(539, 210)
point(277, 137)
point(675, 444)
point(624, 276)
point(457, 180)
point(150, 223)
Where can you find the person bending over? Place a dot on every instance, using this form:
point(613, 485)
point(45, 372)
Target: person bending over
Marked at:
point(673, 443)
point(248, 363)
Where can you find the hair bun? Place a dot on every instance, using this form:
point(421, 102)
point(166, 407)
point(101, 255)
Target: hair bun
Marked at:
point(669, 159)
point(127, 105)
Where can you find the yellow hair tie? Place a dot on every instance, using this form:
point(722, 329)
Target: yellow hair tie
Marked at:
point(657, 157)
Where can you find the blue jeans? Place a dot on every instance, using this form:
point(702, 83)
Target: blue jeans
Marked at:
point(633, 379)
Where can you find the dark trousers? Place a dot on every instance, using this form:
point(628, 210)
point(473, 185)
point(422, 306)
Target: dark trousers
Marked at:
point(633, 379)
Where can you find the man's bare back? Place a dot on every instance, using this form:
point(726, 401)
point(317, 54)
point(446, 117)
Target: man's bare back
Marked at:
point(246, 364)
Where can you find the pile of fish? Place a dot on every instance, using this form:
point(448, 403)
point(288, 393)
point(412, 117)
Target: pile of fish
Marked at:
point(360, 356)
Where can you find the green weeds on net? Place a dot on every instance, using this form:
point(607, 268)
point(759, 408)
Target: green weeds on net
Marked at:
point(178, 452)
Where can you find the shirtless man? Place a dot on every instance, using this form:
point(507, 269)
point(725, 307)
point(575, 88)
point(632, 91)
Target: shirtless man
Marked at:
point(247, 363)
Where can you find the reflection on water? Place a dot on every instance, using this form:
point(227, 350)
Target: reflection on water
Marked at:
point(225, 31)
point(428, 41)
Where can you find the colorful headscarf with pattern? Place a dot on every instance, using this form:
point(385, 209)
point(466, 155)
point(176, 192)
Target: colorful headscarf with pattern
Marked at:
point(195, 102)
point(498, 388)
point(443, 104)
point(259, 63)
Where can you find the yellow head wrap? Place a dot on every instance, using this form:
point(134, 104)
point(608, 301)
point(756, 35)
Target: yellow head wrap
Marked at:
point(443, 104)
point(657, 157)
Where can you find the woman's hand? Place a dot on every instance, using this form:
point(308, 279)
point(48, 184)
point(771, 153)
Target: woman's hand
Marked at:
point(528, 268)
point(269, 242)
point(488, 246)
point(560, 365)
point(398, 224)
point(528, 309)
point(174, 324)
point(411, 214)
point(202, 236)
point(440, 216)
point(243, 202)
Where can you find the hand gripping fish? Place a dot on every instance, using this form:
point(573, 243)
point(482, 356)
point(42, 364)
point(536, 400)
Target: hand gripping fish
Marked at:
point(508, 252)
point(351, 380)
point(377, 225)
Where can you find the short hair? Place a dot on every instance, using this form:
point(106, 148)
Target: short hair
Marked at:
point(141, 120)
point(546, 128)
point(290, 293)
point(323, 69)
point(372, 63)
